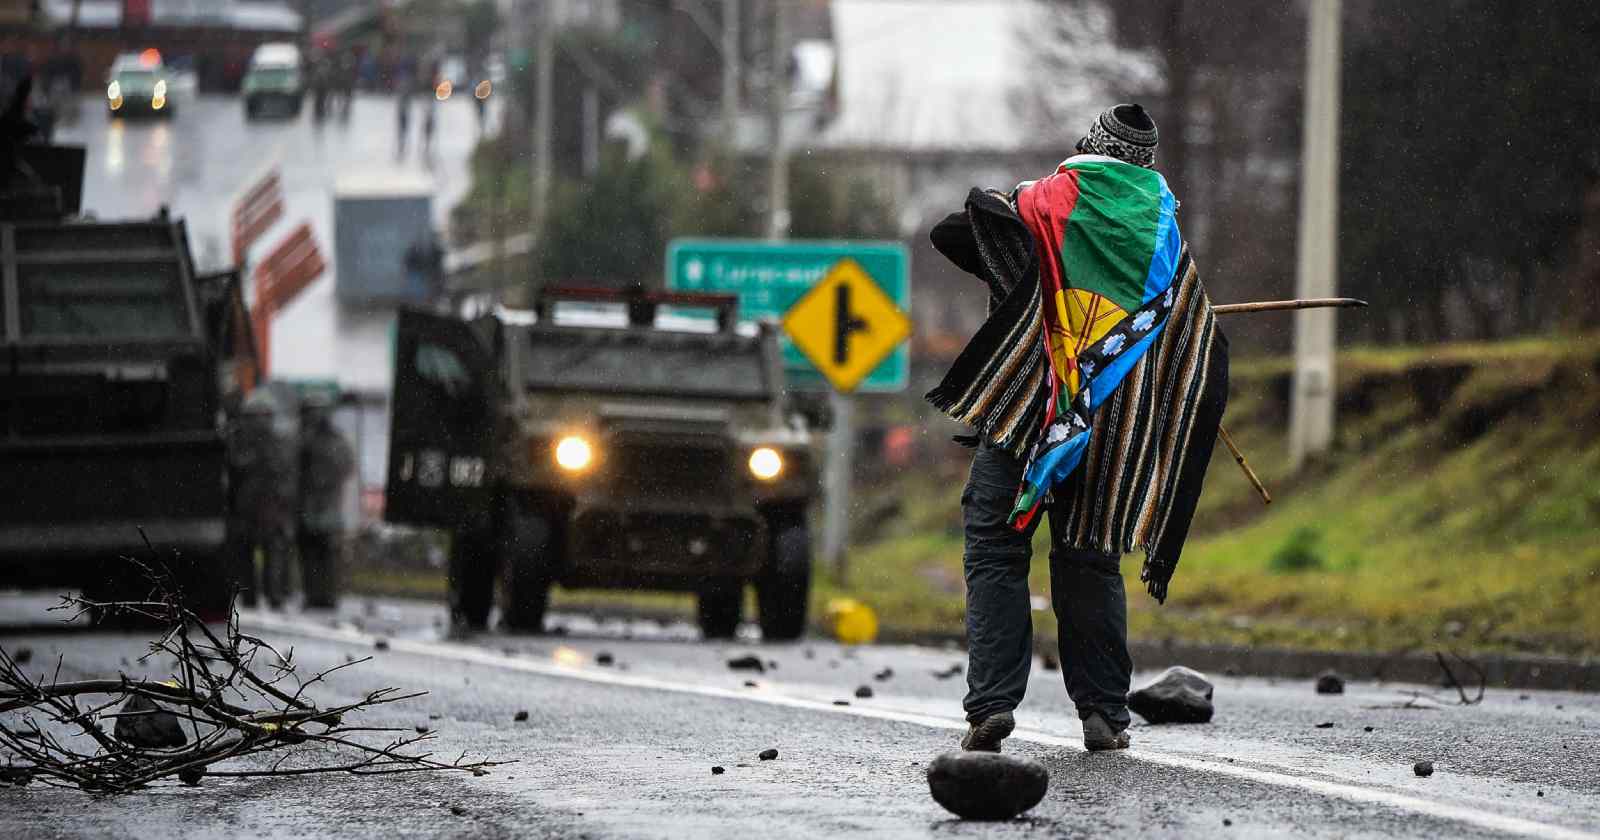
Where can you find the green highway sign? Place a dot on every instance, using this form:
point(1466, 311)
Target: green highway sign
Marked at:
point(771, 277)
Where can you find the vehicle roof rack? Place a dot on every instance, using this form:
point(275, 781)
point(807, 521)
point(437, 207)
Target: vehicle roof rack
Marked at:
point(642, 304)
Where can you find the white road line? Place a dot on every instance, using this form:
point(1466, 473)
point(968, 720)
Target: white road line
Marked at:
point(1501, 823)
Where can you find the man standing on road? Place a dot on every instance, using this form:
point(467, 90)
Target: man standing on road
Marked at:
point(1095, 387)
point(326, 462)
point(261, 516)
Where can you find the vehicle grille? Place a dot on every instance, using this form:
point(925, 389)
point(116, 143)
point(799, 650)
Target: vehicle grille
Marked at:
point(685, 472)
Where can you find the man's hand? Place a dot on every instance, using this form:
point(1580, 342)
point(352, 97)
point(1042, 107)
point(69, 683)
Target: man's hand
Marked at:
point(1155, 580)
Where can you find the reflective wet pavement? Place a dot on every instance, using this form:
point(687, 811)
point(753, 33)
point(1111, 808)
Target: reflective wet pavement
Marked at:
point(625, 749)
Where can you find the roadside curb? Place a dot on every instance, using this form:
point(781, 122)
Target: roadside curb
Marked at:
point(1545, 673)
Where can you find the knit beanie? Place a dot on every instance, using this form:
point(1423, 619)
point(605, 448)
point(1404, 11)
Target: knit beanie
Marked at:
point(1124, 132)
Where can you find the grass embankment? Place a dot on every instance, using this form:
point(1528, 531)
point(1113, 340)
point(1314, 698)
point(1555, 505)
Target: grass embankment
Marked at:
point(1460, 508)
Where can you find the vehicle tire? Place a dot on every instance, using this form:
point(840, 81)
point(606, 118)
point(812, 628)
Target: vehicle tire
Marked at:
point(471, 581)
point(719, 606)
point(530, 547)
point(784, 590)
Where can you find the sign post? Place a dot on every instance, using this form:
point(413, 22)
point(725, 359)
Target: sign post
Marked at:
point(842, 307)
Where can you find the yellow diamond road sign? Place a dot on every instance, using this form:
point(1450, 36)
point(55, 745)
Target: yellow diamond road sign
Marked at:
point(846, 325)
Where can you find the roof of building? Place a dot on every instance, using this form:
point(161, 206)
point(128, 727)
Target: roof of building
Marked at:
point(954, 75)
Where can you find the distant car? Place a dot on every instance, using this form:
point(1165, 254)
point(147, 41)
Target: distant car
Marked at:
point(275, 82)
point(137, 85)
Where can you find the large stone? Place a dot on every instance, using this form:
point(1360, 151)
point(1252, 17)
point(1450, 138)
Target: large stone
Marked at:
point(1329, 682)
point(146, 725)
point(985, 785)
point(1179, 695)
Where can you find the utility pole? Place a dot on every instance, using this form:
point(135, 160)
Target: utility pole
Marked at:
point(1311, 400)
point(732, 58)
point(777, 106)
point(544, 70)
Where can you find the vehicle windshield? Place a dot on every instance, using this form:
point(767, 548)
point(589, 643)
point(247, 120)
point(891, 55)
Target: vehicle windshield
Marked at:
point(137, 81)
point(273, 76)
point(623, 361)
point(141, 301)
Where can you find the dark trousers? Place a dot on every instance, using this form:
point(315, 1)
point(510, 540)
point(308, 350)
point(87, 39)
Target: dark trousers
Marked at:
point(1085, 589)
point(319, 566)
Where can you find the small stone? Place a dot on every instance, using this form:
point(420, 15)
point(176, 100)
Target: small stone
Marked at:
point(810, 654)
point(148, 726)
point(955, 669)
point(768, 754)
point(1366, 729)
point(1178, 695)
point(1541, 793)
point(22, 655)
point(1226, 822)
point(885, 675)
point(434, 716)
point(458, 810)
point(748, 662)
point(1423, 769)
point(863, 692)
point(380, 644)
point(986, 786)
point(1522, 696)
point(772, 664)
point(19, 776)
point(422, 729)
point(604, 659)
point(1329, 682)
point(717, 770)
point(520, 716)
point(751, 684)
point(1327, 724)
point(841, 702)
point(1049, 662)
point(191, 776)
point(1559, 706)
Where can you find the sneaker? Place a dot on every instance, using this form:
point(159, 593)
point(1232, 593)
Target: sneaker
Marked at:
point(986, 735)
point(1098, 735)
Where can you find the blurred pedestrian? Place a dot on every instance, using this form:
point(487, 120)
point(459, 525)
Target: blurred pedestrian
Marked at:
point(326, 462)
point(261, 504)
point(403, 114)
point(348, 69)
point(1091, 257)
point(429, 108)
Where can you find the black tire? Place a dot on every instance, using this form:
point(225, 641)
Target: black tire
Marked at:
point(471, 582)
point(530, 545)
point(719, 607)
point(784, 590)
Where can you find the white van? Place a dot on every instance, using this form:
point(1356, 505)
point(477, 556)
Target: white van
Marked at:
point(274, 82)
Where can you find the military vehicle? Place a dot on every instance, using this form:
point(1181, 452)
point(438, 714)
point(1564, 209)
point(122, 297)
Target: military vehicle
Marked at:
point(600, 442)
point(115, 360)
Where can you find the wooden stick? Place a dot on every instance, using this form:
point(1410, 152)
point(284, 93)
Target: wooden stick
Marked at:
point(1280, 305)
point(1227, 439)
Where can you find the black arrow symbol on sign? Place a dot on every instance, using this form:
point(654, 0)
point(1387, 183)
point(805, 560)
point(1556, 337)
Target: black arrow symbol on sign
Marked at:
point(845, 324)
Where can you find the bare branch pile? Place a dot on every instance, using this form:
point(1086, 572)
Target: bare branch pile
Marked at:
point(230, 696)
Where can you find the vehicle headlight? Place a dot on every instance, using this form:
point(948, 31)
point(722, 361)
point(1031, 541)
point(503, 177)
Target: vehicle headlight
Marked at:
point(574, 454)
point(161, 87)
point(766, 463)
point(114, 91)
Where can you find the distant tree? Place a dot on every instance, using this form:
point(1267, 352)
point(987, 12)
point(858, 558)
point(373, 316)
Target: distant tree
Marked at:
point(1468, 138)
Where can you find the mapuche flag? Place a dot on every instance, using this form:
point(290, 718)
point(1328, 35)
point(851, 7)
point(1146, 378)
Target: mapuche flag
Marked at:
point(1109, 249)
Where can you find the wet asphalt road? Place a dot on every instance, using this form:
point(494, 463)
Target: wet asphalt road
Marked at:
point(625, 750)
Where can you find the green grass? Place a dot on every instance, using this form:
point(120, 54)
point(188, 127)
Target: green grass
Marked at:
point(1421, 539)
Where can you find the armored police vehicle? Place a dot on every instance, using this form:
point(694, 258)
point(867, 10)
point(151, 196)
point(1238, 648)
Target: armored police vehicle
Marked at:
point(115, 359)
point(608, 440)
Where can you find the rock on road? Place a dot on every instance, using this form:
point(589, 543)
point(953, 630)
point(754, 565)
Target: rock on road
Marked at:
point(625, 749)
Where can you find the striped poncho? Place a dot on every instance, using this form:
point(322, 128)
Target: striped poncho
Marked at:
point(1092, 288)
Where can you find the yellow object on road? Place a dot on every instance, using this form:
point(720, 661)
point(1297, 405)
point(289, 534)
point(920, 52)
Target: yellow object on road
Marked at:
point(852, 622)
